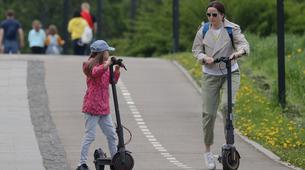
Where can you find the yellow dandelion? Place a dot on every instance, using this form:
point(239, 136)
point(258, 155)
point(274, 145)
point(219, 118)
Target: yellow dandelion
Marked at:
point(304, 71)
point(271, 133)
point(271, 142)
point(299, 50)
point(285, 145)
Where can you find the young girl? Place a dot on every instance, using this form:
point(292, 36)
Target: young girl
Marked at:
point(53, 41)
point(96, 100)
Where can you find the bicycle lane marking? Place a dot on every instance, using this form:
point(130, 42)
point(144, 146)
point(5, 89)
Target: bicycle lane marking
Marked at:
point(146, 131)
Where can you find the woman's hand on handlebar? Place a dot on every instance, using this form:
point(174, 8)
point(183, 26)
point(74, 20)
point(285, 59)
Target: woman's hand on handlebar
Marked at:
point(208, 60)
point(237, 54)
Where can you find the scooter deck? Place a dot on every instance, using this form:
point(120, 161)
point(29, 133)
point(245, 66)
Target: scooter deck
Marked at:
point(103, 161)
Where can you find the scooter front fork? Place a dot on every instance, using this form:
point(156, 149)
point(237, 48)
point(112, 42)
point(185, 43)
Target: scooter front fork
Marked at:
point(228, 148)
point(229, 157)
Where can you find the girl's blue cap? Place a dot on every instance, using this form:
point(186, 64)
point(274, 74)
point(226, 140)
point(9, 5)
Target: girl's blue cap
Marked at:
point(100, 46)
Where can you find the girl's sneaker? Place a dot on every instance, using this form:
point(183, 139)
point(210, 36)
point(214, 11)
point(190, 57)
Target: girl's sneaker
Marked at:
point(209, 160)
point(82, 167)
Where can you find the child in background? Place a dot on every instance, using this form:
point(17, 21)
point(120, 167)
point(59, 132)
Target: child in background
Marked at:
point(36, 38)
point(53, 42)
point(96, 100)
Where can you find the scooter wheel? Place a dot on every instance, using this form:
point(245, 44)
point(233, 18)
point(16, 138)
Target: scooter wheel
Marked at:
point(119, 165)
point(230, 160)
point(99, 167)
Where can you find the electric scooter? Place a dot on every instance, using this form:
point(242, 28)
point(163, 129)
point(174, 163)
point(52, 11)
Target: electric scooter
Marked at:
point(122, 160)
point(229, 157)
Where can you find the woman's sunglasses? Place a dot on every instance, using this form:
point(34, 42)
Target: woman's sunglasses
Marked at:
point(212, 14)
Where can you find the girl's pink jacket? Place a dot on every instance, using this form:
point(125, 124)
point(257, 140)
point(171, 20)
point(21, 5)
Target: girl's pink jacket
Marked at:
point(96, 99)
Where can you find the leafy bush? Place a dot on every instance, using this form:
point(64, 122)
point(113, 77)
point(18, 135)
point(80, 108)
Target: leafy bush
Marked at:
point(254, 16)
point(152, 35)
point(262, 67)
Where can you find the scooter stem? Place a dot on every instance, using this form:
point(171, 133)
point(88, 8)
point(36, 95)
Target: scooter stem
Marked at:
point(119, 128)
point(229, 118)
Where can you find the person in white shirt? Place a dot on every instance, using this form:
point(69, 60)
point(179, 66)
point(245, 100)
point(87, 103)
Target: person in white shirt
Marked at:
point(36, 38)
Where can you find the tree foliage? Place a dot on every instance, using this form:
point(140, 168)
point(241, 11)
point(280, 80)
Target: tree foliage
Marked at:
point(114, 14)
point(151, 32)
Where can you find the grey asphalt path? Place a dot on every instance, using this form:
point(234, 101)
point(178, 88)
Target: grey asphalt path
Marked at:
point(158, 104)
point(19, 149)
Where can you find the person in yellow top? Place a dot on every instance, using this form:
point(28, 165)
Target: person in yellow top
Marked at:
point(76, 28)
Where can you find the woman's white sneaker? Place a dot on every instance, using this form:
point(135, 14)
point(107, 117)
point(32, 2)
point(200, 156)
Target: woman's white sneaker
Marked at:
point(209, 160)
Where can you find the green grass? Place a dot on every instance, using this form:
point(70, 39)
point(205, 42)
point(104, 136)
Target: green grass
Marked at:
point(258, 114)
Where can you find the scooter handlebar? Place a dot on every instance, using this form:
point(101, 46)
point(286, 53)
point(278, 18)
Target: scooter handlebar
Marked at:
point(222, 59)
point(118, 62)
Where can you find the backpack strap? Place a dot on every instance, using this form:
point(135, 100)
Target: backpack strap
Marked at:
point(206, 27)
point(230, 32)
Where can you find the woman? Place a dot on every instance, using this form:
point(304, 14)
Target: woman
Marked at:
point(219, 38)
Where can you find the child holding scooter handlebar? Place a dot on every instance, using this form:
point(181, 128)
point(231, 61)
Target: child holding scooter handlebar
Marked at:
point(96, 107)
